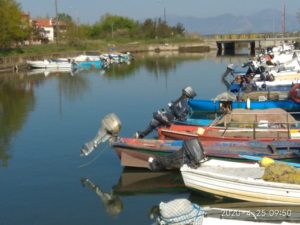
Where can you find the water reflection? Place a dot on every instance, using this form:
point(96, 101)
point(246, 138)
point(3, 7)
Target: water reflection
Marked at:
point(73, 86)
point(112, 203)
point(136, 182)
point(16, 101)
point(49, 71)
point(157, 64)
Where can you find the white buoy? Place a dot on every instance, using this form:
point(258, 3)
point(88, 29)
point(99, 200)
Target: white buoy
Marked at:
point(248, 103)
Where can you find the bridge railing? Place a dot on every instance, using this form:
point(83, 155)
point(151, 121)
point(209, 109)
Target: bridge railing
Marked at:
point(247, 36)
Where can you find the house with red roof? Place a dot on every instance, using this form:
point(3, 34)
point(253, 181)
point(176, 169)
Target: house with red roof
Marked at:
point(45, 26)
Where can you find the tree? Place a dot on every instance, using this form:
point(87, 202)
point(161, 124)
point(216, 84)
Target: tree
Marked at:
point(149, 28)
point(179, 29)
point(114, 26)
point(64, 17)
point(13, 29)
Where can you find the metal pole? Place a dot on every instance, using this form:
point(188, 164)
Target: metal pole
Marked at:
point(56, 22)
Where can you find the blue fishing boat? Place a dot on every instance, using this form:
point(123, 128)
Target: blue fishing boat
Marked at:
point(218, 106)
point(98, 64)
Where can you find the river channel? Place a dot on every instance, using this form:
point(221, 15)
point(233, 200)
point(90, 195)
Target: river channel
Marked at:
point(46, 118)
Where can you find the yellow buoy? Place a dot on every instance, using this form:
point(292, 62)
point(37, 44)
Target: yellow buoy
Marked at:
point(266, 161)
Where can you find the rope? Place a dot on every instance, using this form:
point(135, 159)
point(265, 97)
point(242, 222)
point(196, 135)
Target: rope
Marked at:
point(94, 159)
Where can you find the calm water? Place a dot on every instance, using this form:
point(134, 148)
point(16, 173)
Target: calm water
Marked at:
point(44, 121)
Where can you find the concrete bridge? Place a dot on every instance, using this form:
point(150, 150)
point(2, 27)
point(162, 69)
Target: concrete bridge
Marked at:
point(227, 44)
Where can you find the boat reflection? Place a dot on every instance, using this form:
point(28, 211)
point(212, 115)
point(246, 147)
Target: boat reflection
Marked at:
point(47, 71)
point(112, 202)
point(136, 182)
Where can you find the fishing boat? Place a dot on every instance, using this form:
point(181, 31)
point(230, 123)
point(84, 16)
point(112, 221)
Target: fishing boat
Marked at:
point(239, 181)
point(219, 106)
point(94, 64)
point(136, 152)
point(287, 100)
point(240, 125)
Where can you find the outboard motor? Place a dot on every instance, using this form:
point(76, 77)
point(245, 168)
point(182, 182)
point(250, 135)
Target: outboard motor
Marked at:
point(177, 110)
point(191, 153)
point(229, 70)
point(110, 127)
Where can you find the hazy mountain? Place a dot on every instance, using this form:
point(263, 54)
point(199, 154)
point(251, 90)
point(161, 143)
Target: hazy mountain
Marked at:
point(267, 20)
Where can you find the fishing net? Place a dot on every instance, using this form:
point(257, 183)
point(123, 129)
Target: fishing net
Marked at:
point(283, 173)
point(225, 96)
point(180, 212)
point(263, 96)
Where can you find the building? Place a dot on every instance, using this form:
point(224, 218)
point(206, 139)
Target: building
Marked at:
point(45, 28)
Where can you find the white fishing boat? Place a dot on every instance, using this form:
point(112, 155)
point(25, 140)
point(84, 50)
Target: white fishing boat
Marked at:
point(49, 63)
point(86, 58)
point(239, 181)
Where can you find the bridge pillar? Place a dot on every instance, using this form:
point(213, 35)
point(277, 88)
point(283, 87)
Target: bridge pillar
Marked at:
point(252, 48)
point(229, 48)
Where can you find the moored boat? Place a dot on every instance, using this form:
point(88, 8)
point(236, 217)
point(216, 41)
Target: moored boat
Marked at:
point(240, 125)
point(287, 100)
point(239, 181)
point(136, 152)
point(95, 64)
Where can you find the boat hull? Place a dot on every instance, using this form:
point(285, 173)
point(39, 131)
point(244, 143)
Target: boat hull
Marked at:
point(216, 106)
point(220, 181)
point(136, 152)
point(215, 133)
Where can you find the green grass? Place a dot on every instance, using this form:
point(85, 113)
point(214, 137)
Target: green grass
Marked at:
point(90, 45)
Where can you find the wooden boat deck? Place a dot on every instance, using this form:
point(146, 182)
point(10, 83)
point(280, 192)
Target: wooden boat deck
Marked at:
point(246, 133)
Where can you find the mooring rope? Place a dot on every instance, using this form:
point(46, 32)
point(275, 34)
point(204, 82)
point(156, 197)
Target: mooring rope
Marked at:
point(95, 158)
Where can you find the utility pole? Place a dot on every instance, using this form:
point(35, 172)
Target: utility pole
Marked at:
point(112, 30)
point(283, 19)
point(165, 16)
point(56, 22)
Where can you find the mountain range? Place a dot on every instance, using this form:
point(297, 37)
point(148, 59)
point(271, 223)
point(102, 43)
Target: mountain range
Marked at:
point(264, 21)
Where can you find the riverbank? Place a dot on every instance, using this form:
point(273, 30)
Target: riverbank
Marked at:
point(18, 62)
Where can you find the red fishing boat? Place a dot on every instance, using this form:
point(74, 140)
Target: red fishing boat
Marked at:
point(136, 152)
point(240, 125)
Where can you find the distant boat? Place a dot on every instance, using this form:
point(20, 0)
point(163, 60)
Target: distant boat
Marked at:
point(96, 64)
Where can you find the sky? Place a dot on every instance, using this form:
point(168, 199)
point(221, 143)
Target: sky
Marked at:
point(90, 11)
